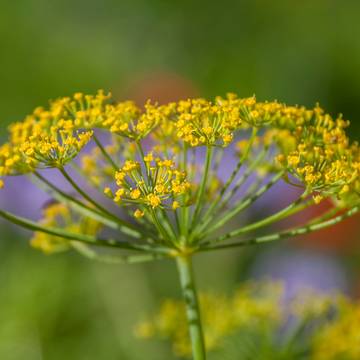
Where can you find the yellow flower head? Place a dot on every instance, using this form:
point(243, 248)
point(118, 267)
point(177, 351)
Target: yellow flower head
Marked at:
point(151, 183)
point(200, 122)
point(82, 111)
point(127, 120)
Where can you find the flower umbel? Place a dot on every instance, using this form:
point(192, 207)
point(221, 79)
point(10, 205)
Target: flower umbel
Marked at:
point(173, 176)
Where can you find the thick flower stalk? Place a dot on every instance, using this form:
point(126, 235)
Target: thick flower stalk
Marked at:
point(157, 179)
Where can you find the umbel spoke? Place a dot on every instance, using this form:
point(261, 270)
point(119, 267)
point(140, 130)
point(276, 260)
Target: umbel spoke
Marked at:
point(34, 226)
point(277, 236)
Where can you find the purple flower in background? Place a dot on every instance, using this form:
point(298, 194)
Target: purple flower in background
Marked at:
point(299, 269)
point(24, 198)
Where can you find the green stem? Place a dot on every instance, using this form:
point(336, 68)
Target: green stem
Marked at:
point(201, 191)
point(244, 204)
point(236, 170)
point(88, 252)
point(186, 276)
point(90, 240)
point(226, 197)
point(82, 208)
point(83, 193)
point(142, 156)
point(277, 236)
point(160, 228)
point(292, 209)
point(33, 226)
point(243, 178)
point(327, 215)
point(206, 218)
point(105, 153)
point(93, 202)
point(184, 210)
point(167, 224)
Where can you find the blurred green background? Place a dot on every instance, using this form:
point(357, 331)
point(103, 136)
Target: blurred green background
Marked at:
point(300, 52)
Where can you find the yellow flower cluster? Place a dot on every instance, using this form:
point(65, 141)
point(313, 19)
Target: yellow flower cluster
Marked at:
point(58, 215)
point(201, 122)
point(320, 155)
point(123, 118)
point(84, 111)
point(127, 120)
point(154, 183)
point(11, 161)
point(309, 303)
point(251, 112)
point(252, 306)
point(340, 339)
point(258, 310)
point(43, 139)
point(311, 146)
point(54, 149)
